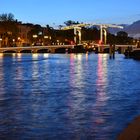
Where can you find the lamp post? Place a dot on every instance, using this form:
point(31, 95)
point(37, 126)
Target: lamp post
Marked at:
point(57, 42)
point(0, 42)
point(13, 42)
point(34, 36)
point(19, 41)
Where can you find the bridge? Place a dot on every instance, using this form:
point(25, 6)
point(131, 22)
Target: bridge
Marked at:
point(35, 49)
point(56, 48)
point(121, 48)
point(103, 30)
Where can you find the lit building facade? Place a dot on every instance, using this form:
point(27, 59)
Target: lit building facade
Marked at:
point(22, 39)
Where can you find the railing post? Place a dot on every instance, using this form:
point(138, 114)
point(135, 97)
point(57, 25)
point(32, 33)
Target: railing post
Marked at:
point(112, 51)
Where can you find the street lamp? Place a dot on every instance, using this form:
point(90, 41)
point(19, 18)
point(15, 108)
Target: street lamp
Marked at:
point(13, 42)
point(0, 42)
point(35, 36)
point(57, 42)
point(19, 41)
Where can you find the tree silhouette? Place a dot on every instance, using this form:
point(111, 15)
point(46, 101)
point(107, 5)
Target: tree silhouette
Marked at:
point(7, 17)
point(70, 22)
point(9, 29)
point(122, 37)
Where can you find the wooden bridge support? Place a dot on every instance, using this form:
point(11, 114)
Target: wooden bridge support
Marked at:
point(34, 50)
point(52, 50)
point(112, 51)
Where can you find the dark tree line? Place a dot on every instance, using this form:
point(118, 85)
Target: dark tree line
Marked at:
point(9, 31)
point(121, 38)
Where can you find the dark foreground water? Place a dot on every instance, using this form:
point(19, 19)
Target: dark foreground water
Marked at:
point(67, 97)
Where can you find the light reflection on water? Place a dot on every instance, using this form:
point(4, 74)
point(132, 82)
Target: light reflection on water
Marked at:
point(61, 96)
point(101, 82)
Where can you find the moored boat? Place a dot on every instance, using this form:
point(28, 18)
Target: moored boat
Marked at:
point(133, 53)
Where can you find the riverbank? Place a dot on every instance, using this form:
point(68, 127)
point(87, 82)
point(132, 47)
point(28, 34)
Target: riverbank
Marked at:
point(132, 132)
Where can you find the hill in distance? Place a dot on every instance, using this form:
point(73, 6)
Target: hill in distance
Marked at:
point(133, 29)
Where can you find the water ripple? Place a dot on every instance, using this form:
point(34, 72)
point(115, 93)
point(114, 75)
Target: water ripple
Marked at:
point(72, 97)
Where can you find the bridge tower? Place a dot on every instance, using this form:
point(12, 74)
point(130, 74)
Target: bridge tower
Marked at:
point(103, 34)
point(103, 30)
point(77, 31)
point(77, 35)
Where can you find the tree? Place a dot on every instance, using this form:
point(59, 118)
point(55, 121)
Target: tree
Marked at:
point(90, 34)
point(70, 22)
point(35, 34)
point(122, 38)
point(9, 29)
point(7, 17)
point(111, 38)
point(122, 34)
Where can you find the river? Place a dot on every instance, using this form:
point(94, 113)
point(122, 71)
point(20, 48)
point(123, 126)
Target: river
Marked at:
point(67, 96)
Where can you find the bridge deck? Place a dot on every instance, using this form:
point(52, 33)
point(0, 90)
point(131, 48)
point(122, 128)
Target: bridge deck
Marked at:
point(52, 48)
point(35, 48)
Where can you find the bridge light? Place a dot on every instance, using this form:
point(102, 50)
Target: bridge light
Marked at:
point(100, 42)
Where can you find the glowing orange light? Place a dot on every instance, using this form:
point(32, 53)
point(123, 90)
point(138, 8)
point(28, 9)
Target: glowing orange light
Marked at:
point(100, 42)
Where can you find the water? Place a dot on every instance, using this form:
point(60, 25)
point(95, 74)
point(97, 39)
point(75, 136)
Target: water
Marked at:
point(67, 97)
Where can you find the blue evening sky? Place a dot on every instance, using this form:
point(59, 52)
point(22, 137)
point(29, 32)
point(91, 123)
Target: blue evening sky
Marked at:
point(55, 12)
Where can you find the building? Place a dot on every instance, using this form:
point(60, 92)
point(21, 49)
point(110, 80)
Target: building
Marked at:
point(22, 39)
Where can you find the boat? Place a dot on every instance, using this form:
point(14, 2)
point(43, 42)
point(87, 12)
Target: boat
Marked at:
point(132, 53)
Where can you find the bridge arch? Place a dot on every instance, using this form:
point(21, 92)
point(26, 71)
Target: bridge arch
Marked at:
point(9, 51)
point(43, 51)
point(26, 51)
point(61, 50)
